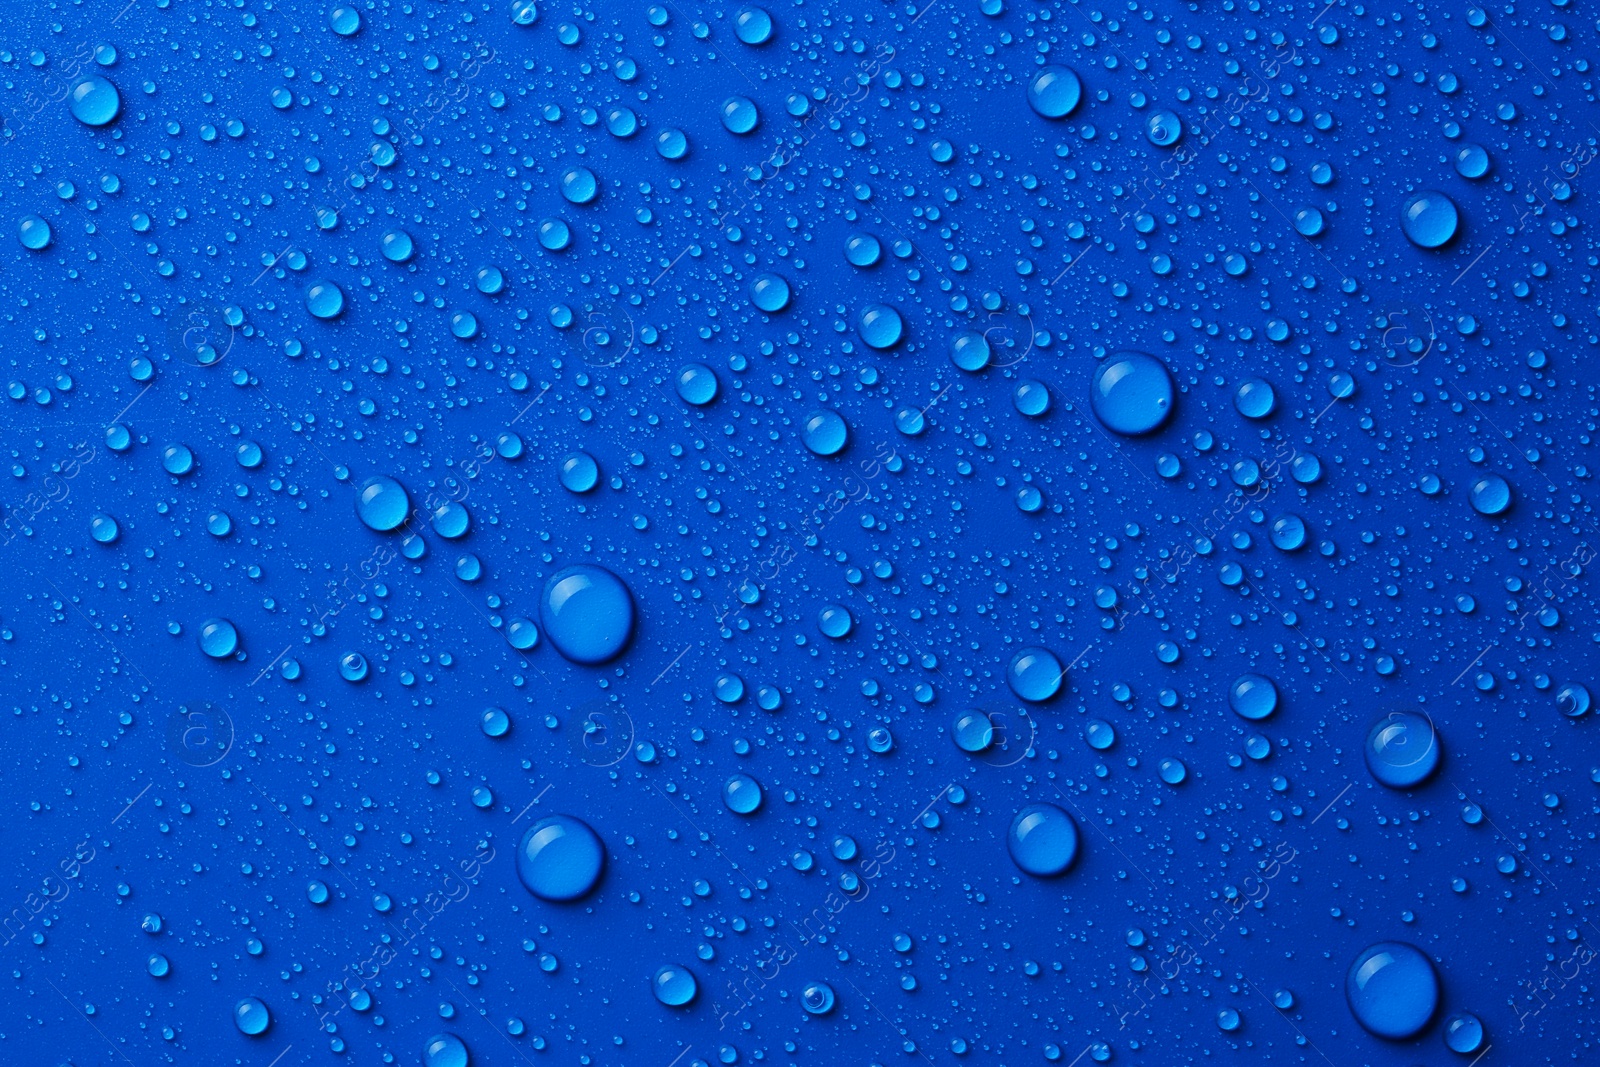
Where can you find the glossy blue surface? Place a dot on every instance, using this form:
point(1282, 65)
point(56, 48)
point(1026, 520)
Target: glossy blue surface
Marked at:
point(980, 532)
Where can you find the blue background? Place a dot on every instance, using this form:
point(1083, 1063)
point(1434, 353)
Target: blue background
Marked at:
point(1061, 241)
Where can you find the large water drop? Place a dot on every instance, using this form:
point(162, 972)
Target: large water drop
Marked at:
point(251, 1016)
point(742, 794)
point(1490, 494)
point(1402, 749)
point(1392, 990)
point(825, 432)
point(587, 613)
point(94, 101)
point(1429, 219)
point(1043, 840)
point(560, 858)
point(444, 1050)
point(382, 503)
point(1035, 674)
point(1132, 393)
point(674, 986)
point(1252, 696)
point(1054, 92)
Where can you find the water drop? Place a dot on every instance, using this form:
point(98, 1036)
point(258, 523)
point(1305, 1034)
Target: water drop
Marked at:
point(674, 986)
point(1392, 990)
point(325, 300)
point(1402, 749)
point(1035, 674)
point(739, 115)
point(1472, 161)
point(1031, 398)
point(1043, 840)
point(34, 233)
point(1054, 92)
point(1429, 219)
point(1163, 129)
point(753, 26)
point(587, 612)
point(741, 794)
point(696, 384)
point(382, 503)
point(834, 621)
point(345, 21)
point(560, 858)
point(579, 185)
point(862, 250)
point(219, 638)
point(1132, 394)
point(579, 472)
point(672, 144)
point(104, 529)
point(770, 293)
point(1490, 494)
point(1253, 697)
point(969, 350)
point(817, 998)
point(495, 722)
point(397, 247)
point(880, 326)
point(94, 101)
point(1572, 698)
point(177, 460)
point(973, 731)
point(251, 1016)
point(825, 432)
point(444, 1050)
point(1255, 398)
point(1463, 1033)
